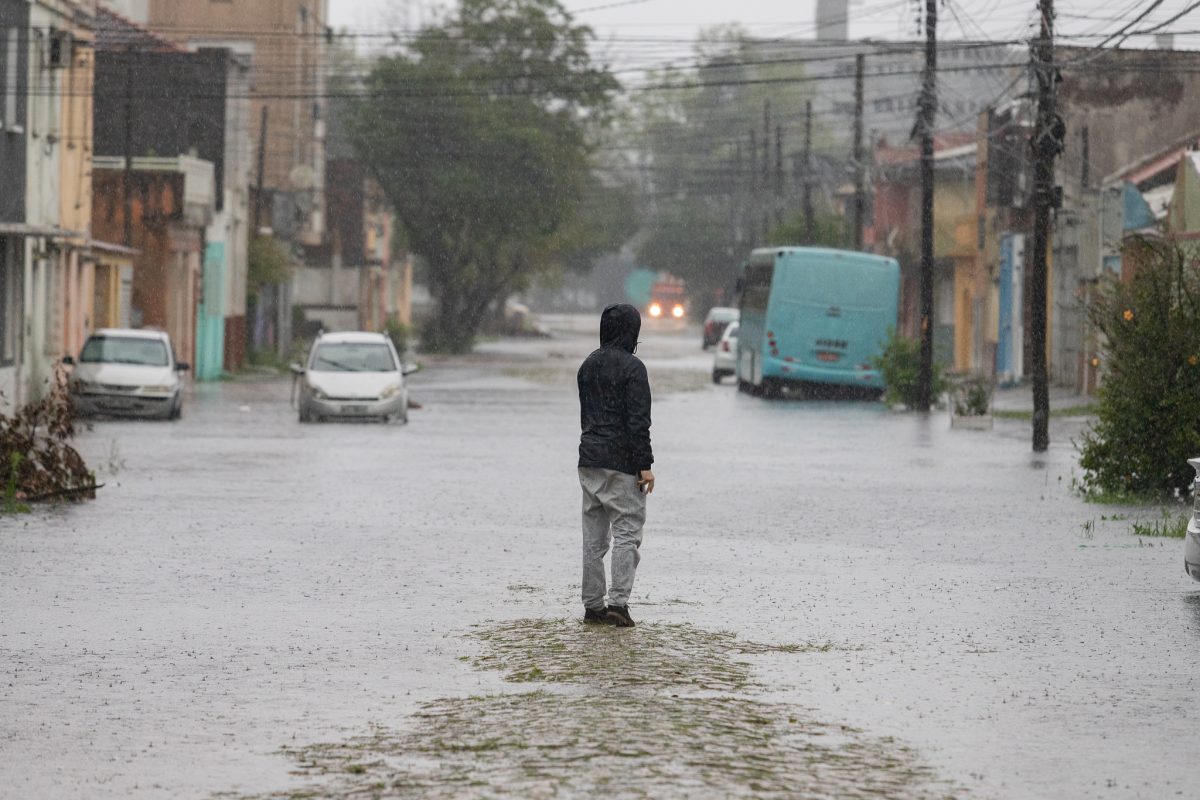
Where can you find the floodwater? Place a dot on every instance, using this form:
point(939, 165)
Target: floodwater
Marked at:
point(834, 601)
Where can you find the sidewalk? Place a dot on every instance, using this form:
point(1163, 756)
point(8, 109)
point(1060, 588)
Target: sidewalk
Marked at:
point(1020, 398)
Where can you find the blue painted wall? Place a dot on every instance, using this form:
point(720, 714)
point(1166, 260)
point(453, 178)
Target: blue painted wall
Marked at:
point(210, 317)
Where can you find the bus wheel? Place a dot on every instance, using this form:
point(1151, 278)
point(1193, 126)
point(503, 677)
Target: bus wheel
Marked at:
point(772, 388)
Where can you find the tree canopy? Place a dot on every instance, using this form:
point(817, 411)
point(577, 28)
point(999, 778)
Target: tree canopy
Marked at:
point(478, 134)
point(715, 184)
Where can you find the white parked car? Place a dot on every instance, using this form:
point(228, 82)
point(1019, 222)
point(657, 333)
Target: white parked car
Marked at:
point(352, 376)
point(725, 356)
point(1191, 542)
point(125, 372)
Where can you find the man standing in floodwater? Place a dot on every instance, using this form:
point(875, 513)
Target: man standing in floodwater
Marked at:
point(614, 463)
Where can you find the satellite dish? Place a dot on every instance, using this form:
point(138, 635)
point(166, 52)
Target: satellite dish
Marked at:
point(302, 177)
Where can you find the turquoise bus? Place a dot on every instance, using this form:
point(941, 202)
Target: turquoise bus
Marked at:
point(815, 317)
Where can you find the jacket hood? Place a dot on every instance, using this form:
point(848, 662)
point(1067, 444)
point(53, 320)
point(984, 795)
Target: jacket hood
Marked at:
point(620, 325)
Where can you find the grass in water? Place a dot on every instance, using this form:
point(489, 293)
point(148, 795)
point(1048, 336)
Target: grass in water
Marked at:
point(1169, 525)
point(653, 711)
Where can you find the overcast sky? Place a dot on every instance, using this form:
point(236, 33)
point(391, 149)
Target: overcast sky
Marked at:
point(648, 32)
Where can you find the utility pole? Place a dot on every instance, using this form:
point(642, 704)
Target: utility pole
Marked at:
point(127, 174)
point(765, 202)
point(766, 142)
point(1048, 134)
point(753, 199)
point(753, 163)
point(768, 201)
point(809, 222)
point(738, 208)
point(778, 175)
point(929, 102)
point(860, 202)
point(262, 168)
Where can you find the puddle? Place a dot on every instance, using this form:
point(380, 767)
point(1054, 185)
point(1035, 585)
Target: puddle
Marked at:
point(653, 711)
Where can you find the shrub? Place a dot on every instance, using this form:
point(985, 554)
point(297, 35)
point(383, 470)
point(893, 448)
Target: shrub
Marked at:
point(900, 366)
point(35, 452)
point(973, 397)
point(397, 331)
point(1148, 415)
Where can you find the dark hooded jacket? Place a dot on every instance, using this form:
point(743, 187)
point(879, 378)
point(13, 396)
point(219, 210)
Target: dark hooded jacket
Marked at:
point(614, 397)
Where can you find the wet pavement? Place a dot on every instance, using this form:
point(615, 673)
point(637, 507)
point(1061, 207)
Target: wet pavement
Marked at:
point(835, 600)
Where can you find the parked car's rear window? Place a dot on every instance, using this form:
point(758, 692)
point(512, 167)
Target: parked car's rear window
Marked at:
point(125, 350)
point(353, 357)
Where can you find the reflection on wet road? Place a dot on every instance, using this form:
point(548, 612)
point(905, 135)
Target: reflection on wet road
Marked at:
point(943, 615)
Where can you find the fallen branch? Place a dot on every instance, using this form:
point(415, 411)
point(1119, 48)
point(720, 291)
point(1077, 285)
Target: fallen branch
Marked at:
point(63, 493)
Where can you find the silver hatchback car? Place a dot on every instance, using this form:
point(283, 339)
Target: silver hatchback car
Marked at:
point(352, 376)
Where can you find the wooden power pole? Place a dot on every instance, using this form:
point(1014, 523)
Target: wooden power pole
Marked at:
point(1048, 134)
point(929, 102)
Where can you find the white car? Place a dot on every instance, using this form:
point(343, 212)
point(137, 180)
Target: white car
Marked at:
point(352, 376)
point(125, 372)
point(1191, 541)
point(725, 357)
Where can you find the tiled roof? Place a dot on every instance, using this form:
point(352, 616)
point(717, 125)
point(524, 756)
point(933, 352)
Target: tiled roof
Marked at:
point(116, 32)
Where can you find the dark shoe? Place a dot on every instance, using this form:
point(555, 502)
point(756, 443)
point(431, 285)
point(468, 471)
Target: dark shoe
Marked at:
point(620, 615)
point(599, 617)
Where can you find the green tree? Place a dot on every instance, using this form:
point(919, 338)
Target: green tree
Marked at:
point(708, 191)
point(690, 239)
point(269, 263)
point(479, 137)
point(1148, 417)
point(829, 230)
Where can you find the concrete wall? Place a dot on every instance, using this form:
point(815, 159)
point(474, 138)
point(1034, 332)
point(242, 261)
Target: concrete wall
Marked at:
point(317, 286)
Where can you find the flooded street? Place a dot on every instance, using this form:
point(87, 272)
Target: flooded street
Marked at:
point(834, 600)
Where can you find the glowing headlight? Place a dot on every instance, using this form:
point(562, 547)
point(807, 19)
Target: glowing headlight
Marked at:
point(655, 310)
point(677, 312)
point(390, 392)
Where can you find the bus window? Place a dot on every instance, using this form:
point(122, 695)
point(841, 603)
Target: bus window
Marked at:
point(756, 290)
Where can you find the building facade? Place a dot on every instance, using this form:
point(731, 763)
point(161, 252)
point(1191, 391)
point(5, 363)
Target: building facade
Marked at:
point(171, 207)
point(286, 41)
point(46, 272)
point(211, 124)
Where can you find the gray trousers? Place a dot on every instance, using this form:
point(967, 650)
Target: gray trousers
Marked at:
point(614, 509)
